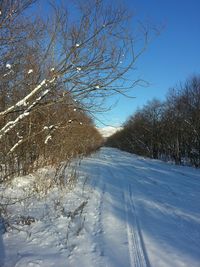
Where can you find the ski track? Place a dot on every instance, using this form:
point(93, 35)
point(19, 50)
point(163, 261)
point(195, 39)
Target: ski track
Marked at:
point(137, 250)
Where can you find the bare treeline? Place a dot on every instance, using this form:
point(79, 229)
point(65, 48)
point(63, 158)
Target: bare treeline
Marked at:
point(168, 130)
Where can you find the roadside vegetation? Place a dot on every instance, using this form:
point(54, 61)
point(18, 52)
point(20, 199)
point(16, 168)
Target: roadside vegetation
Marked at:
point(168, 130)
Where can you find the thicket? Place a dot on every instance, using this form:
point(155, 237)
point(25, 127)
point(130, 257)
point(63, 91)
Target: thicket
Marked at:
point(168, 130)
point(56, 70)
point(41, 123)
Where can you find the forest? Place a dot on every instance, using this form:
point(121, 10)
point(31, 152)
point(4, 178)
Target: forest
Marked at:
point(167, 130)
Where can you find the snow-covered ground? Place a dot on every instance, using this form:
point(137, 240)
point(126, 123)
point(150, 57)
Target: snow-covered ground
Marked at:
point(125, 210)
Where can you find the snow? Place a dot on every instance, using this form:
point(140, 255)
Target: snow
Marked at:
point(48, 138)
point(8, 66)
point(19, 136)
point(23, 101)
point(30, 71)
point(11, 124)
point(6, 74)
point(108, 130)
point(16, 145)
point(124, 210)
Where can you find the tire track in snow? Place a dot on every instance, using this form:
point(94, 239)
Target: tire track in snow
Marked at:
point(137, 250)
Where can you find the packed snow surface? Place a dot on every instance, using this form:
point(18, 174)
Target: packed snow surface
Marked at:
point(134, 212)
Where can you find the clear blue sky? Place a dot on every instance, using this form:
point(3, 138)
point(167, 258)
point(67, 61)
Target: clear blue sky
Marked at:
point(172, 57)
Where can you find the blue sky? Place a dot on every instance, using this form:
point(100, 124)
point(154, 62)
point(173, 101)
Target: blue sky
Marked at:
point(170, 58)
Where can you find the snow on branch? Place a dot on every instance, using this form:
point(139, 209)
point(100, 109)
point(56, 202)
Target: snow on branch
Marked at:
point(23, 101)
point(11, 124)
point(15, 146)
point(49, 137)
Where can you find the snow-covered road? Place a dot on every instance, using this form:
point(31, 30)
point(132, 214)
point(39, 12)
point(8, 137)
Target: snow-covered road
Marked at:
point(140, 213)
